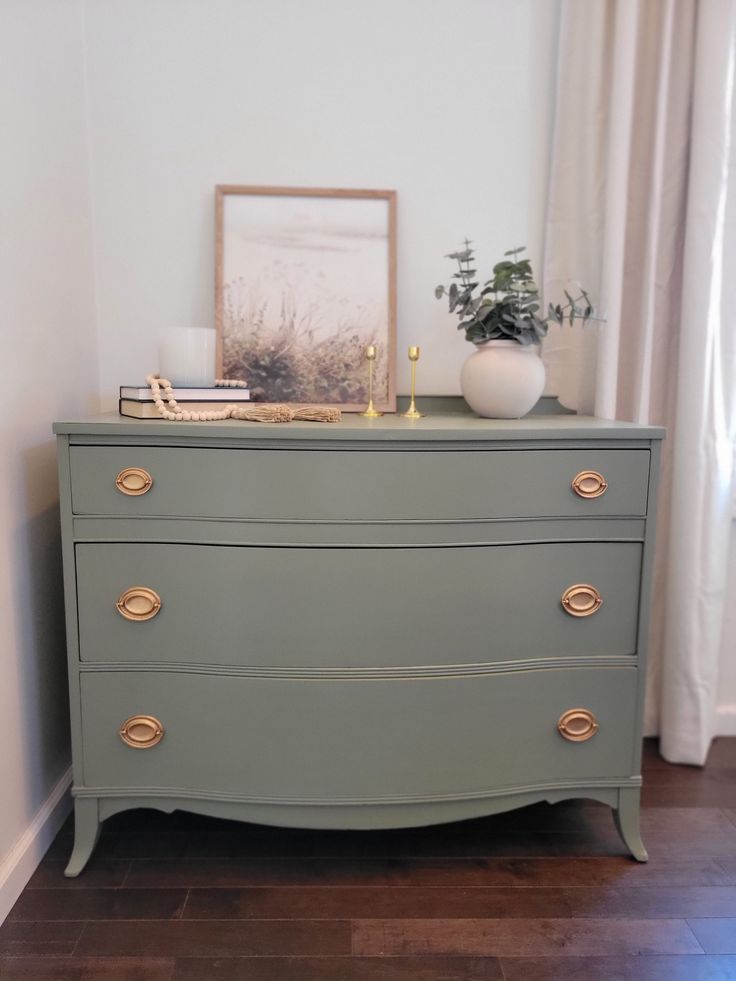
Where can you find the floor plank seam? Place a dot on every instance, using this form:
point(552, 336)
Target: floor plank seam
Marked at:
point(180, 915)
point(729, 815)
point(79, 938)
point(126, 874)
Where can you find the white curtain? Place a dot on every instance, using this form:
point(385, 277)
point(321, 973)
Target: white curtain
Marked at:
point(641, 211)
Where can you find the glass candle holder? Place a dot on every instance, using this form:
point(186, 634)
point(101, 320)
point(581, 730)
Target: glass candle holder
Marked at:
point(186, 356)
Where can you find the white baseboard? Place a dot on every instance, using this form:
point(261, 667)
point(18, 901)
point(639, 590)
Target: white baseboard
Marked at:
point(726, 720)
point(21, 862)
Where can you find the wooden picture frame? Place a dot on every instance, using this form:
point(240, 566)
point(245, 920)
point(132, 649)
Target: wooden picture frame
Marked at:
point(305, 279)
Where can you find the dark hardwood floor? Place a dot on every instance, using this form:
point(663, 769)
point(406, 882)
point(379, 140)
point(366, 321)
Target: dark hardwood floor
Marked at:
point(534, 895)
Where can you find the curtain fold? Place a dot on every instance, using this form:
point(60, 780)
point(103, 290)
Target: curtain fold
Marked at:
point(642, 162)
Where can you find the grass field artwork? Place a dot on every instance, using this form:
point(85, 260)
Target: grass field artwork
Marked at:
point(305, 280)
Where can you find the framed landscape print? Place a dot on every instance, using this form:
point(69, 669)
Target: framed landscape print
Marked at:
point(305, 280)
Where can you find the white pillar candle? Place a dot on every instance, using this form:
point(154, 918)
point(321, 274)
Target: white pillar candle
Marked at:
point(186, 356)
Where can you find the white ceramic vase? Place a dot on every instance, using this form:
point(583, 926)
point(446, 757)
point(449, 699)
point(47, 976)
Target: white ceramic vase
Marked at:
point(502, 379)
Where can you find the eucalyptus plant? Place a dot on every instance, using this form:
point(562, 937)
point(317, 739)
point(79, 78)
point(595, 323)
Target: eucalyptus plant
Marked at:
point(506, 306)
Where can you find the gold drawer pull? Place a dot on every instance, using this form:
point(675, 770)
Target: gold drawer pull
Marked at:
point(577, 725)
point(134, 481)
point(141, 731)
point(589, 483)
point(581, 600)
point(138, 603)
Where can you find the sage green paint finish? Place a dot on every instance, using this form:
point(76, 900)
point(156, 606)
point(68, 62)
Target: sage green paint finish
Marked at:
point(443, 404)
point(362, 742)
point(370, 485)
point(519, 691)
point(357, 607)
point(352, 534)
point(434, 428)
point(360, 816)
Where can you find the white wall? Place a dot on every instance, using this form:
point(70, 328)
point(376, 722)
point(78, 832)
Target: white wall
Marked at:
point(447, 102)
point(50, 369)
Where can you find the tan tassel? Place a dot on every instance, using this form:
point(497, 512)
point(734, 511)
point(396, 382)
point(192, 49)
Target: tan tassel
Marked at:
point(274, 412)
point(318, 413)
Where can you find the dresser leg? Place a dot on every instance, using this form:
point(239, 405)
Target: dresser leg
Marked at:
point(626, 819)
point(86, 833)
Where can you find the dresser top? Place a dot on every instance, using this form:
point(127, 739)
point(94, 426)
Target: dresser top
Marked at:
point(353, 427)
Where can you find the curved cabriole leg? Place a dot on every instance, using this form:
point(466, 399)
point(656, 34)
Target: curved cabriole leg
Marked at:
point(626, 819)
point(86, 833)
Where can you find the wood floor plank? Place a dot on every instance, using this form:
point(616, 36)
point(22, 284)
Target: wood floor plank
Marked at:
point(652, 968)
point(87, 969)
point(722, 753)
point(716, 936)
point(532, 937)
point(694, 777)
point(38, 939)
point(728, 865)
point(425, 872)
point(340, 969)
point(100, 873)
point(214, 938)
point(714, 793)
point(99, 904)
point(437, 903)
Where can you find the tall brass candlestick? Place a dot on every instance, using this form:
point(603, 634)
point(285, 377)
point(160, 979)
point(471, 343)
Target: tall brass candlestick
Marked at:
point(411, 412)
point(370, 355)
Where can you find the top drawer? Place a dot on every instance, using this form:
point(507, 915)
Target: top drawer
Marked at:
point(369, 485)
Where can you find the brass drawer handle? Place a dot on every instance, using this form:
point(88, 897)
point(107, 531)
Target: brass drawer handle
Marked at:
point(134, 481)
point(581, 600)
point(138, 603)
point(577, 725)
point(589, 483)
point(141, 731)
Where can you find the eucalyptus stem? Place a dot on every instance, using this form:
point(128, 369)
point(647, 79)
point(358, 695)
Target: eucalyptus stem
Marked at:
point(508, 304)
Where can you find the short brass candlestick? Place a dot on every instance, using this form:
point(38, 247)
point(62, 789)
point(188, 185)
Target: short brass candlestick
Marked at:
point(371, 411)
point(411, 412)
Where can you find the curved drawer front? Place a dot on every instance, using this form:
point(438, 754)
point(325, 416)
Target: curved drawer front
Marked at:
point(355, 607)
point(340, 485)
point(292, 739)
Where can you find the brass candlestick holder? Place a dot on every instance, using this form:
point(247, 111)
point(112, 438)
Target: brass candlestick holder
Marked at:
point(412, 412)
point(371, 411)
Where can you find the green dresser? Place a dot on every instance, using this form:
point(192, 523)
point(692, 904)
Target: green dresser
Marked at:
point(373, 624)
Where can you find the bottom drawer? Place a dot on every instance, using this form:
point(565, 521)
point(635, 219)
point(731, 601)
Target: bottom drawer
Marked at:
point(289, 739)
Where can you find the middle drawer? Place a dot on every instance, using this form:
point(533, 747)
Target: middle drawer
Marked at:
point(356, 607)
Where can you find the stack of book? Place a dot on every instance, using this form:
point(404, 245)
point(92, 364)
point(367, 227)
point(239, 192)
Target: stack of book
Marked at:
point(138, 402)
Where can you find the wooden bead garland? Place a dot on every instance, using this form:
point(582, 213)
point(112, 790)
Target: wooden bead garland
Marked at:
point(271, 412)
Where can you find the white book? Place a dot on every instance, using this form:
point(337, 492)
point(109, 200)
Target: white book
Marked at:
point(188, 394)
point(148, 410)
